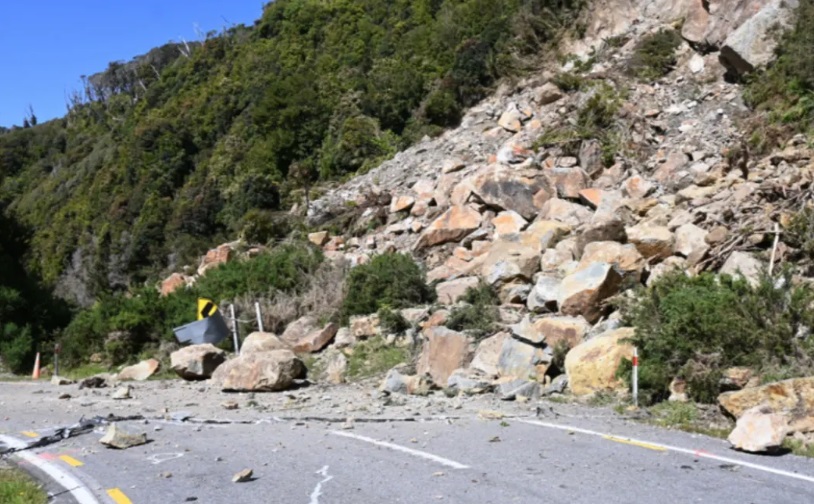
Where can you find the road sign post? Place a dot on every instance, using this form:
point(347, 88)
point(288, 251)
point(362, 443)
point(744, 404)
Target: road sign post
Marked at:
point(259, 316)
point(234, 329)
point(635, 379)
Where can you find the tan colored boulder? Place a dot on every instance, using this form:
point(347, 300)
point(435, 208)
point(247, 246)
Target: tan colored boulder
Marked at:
point(401, 204)
point(673, 173)
point(625, 258)
point(263, 342)
point(752, 44)
point(568, 182)
point(365, 326)
point(548, 93)
point(215, 257)
point(583, 292)
point(508, 222)
point(319, 238)
point(566, 331)
point(521, 360)
point(117, 437)
point(316, 340)
point(508, 190)
point(511, 119)
point(297, 330)
point(487, 355)
point(572, 214)
point(638, 187)
point(510, 259)
point(260, 372)
point(794, 395)
point(334, 367)
point(452, 225)
point(745, 265)
point(691, 243)
point(591, 366)
point(737, 378)
point(398, 382)
point(544, 234)
point(759, 430)
point(174, 282)
point(444, 351)
point(655, 243)
point(448, 292)
point(197, 362)
point(592, 196)
point(139, 372)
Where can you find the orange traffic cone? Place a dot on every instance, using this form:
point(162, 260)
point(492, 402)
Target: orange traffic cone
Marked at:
point(36, 374)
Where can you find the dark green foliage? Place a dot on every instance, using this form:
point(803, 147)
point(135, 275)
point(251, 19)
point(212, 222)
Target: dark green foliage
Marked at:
point(145, 318)
point(389, 280)
point(800, 232)
point(694, 328)
point(392, 322)
point(654, 55)
point(479, 313)
point(785, 91)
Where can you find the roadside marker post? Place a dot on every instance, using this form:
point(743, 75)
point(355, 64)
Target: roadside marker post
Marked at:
point(635, 379)
point(57, 348)
point(234, 328)
point(36, 374)
point(259, 317)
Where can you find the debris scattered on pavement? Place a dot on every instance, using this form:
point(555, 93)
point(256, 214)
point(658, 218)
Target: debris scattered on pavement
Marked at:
point(123, 393)
point(243, 476)
point(116, 437)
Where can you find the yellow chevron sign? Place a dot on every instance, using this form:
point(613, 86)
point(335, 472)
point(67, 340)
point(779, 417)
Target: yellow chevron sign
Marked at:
point(206, 308)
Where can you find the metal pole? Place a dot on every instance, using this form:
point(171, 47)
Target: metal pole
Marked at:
point(259, 317)
point(234, 329)
point(774, 247)
point(635, 380)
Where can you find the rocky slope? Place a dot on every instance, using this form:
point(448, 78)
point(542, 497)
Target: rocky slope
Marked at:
point(566, 189)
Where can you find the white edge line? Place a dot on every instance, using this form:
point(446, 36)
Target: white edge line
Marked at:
point(410, 451)
point(73, 486)
point(694, 453)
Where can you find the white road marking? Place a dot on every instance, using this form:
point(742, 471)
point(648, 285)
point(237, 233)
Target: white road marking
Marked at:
point(694, 453)
point(317, 493)
point(73, 486)
point(404, 449)
point(157, 458)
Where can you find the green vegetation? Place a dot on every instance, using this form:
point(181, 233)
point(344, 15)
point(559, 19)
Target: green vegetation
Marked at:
point(374, 357)
point(17, 487)
point(479, 313)
point(799, 234)
point(785, 91)
point(123, 326)
point(654, 56)
point(595, 120)
point(390, 281)
point(694, 328)
point(392, 322)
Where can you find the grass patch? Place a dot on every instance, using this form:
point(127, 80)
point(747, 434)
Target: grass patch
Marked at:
point(478, 316)
point(375, 357)
point(654, 56)
point(799, 447)
point(85, 371)
point(16, 487)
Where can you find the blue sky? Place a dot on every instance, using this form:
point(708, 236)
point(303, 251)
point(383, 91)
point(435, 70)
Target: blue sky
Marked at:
point(45, 45)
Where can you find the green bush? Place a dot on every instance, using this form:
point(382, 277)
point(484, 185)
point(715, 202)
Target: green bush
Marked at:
point(392, 322)
point(17, 348)
point(694, 328)
point(478, 316)
point(389, 280)
point(654, 55)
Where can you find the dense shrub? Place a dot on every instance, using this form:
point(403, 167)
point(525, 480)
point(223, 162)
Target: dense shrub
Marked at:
point(478, 314)
point(654, 55)
point(785, 91)
point(389, 280)
point(694, 328)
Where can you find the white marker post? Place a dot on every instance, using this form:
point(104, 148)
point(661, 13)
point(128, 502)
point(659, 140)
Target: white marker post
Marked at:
point(259, 317)
point(234, 329)
point(635, 379)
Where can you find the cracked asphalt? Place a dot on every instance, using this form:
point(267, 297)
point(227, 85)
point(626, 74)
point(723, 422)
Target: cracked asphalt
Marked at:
point(303, 449)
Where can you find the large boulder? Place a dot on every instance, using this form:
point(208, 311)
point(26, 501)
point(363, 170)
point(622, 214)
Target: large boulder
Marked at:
point(653, 242)
point(448, 292)
point(487, 355)
point(510, 259)
point(260, 372)
point(583, 292)
point(397, 381)
point(745, 265)
point(444, 351)
point(215, 257)
point(753, 43)
point(544, 295)
point(452, 225)
point(591, 366)
point(522, 360)
point(297, 330)
point(139, 372)
point(566, 331)
point(568, 182)
point(625, 258)
point(263, 342)
point(317, 339)
point(691, 243)
point(794, 397)
point(508, 190)
point(759, 430)
point(197, 362)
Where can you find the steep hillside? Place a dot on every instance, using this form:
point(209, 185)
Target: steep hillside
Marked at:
point(187, 145)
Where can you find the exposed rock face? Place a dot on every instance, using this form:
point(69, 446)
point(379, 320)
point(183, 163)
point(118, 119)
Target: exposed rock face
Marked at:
point(262, 342)
point(453, 225)
point(298, 329)
point(759, 430)
point(215, 257)
point(316, 340)
point(197, 362)
point(794, 397)
point(753, 43)
point(507, 190)
point(449, 292)
point(487, 355)
point(260, 372)
point(319, 238)
point(583, 292)
point(521, 360)
point(139, 372)
point(174, 282)
point(444, 351)
point(510, 259)
point(591, 366)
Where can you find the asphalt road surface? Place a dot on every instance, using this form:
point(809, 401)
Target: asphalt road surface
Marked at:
point(542, 458)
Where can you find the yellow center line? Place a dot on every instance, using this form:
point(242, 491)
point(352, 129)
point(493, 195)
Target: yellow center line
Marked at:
point(640, 444)
point(30, 434)
point(118, 496)
point(71, 461)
